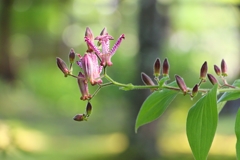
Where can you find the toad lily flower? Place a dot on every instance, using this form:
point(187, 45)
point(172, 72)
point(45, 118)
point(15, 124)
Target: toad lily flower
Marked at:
point(91, 69)
point(83, 86)
point(106, 54)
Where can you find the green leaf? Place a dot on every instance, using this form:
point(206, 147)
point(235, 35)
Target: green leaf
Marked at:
point(154, 106)
point(228, 96)
point(237, 132)
point(202, 123)
point(163, 80)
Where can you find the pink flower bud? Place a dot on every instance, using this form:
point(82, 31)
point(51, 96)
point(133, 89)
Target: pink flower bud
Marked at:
point(181, 84)
point(62, 66)
point(88, 109)
point(157, 67)
point(80, 117)
point(224, 68)
point(212, 79)
point(71, 56)
point(194, 91)
point(146, 79)
point(217, 70)
point(89, 35)
point(166, 67)
point(203, 72)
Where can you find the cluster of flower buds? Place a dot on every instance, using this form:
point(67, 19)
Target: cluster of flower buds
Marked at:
point(156, 72)
point(203, 76)
point(84, 116)
point(223, 71)
point(220, 72)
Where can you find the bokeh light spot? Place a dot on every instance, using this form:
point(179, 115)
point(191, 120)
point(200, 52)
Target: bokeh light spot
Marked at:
point(73, 35)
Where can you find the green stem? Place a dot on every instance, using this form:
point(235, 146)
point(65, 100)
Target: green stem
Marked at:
point(132, 87)
point(73, 75)
point(99, 87)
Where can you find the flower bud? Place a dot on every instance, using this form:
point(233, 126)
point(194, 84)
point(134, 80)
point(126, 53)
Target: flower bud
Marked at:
point(89, 35)
point(212, 79)
point(71, 56)
point(89, 109)
point(224, 68)
point(194, 91)
point(166, 67)
point(146, 79)
point(80, 117)
point(156, 68)
point(181, 84)
point(217, 70)
point(62, 66)
point(203, 71)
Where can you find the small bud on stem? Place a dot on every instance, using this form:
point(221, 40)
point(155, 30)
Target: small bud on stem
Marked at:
point(224, 68)
point(89, 35)
point(194, 91)
point(166, 67)
point(71, 56)
point(203, 71)
point(62, 66)
point(80, 117)
point(212, 79)
point(157, 67)
point(88, 109)
point(146, 79)
point(181, 84)
point(217, 70)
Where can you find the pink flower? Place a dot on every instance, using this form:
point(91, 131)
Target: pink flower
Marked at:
point(83, 86)
point(106, 54)
point(91, 69)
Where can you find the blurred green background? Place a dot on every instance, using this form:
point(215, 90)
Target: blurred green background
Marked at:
point(37, 103)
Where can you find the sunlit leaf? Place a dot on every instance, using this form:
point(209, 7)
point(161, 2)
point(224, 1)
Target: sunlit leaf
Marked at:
point(155, 105)
point(228, 96)
point(202, 123)
point(237, 132)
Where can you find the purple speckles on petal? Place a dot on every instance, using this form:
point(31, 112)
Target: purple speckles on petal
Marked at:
point(117, 44)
